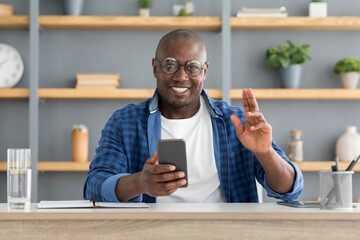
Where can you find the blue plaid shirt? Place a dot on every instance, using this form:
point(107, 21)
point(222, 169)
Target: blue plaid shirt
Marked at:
point(129, 138)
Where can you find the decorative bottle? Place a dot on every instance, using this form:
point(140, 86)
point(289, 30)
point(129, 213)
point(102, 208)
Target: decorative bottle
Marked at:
point(296, 153)
point(348, 144)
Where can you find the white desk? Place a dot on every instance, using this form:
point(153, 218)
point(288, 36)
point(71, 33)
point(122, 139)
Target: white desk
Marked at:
point(181, 221)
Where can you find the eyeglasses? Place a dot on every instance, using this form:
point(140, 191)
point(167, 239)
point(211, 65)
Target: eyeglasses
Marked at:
point(191, 67)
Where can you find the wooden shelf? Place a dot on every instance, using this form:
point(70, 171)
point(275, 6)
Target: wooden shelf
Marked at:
point(57, 166)
point(63, 166)
point(73, 93)
point(14, 93)
point(14, 22)
point(81, 167)
point(323, 166)
point(301, 94)
point(135, 93)
point(170, 23)
point(129, 22)
point(296, 23)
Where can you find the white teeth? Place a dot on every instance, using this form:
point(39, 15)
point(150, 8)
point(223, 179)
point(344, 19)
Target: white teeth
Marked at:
point(179, 89)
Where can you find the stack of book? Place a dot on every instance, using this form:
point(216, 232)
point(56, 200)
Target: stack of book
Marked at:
point(262, 12)
point(85, 80)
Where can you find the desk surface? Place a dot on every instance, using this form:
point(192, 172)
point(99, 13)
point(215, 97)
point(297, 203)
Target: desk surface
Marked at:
point(182, 221)
point(185, 211)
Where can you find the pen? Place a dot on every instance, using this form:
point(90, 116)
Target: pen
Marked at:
point(93, 200)
point(352, 164)
point(337, 162)
point(333, 167)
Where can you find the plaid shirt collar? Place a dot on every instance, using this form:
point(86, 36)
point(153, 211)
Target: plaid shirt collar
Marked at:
point(213, 110)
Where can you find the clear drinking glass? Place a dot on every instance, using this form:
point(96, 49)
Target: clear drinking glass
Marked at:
point(19, 178)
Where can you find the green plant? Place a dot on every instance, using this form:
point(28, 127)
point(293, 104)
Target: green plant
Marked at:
point(347, 65)
point(317, 0)
point(286, 54)
point(182, 12)
point(144, 3)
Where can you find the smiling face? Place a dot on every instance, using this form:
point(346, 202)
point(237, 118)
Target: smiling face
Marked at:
point(179, 92)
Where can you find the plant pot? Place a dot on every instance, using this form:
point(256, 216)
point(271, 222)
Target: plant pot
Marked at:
point(144, 12)
point(318, 9)
point(291, 76)
point(73, 7)
point(349, 80)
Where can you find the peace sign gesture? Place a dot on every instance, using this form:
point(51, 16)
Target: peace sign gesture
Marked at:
point(256, 134)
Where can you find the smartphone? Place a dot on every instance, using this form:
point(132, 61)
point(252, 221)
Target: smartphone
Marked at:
point(173, 151)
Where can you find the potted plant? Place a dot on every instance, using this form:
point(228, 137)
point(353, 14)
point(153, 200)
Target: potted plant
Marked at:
point(183, 8)
point(144, 7)
point(289, 59)
point(348, 70)
point(317, 9)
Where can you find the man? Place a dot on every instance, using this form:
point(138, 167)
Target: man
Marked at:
point(227, 147)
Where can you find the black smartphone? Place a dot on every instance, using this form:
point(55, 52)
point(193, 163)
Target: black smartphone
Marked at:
point(173, 151)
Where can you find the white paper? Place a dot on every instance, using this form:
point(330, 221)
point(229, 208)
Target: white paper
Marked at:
point(88, 204)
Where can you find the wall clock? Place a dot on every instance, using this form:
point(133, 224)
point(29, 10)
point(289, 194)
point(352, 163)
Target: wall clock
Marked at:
point(11, 66)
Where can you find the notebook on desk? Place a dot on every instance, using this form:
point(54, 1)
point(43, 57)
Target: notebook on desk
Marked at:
point(87, 204)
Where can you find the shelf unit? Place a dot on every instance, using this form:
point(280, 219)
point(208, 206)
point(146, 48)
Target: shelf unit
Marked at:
point(73, 93)
point(196, 23)
point(57, 166)
point(137, 93)
point(14, 22)
point(83, 167)
point(169, 23)
point(14, 93)
point(129, 22)
point(296, 23)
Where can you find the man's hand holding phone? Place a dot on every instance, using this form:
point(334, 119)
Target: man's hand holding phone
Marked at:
point(160, 179)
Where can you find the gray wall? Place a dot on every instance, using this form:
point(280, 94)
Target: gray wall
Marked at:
point(63, 53)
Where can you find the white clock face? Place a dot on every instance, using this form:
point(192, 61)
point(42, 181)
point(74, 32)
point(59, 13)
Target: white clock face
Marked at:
point(11, 66)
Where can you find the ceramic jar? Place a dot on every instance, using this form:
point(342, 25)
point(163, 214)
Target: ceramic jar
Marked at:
point(296, 152)
point(348, 144)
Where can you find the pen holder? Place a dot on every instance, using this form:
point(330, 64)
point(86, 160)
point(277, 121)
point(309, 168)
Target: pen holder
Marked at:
point(80, 146)
point(336, 189)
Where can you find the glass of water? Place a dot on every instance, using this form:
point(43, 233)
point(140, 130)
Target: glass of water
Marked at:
point(19, 178)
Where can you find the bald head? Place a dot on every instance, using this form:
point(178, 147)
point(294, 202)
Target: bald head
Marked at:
point(180, 34)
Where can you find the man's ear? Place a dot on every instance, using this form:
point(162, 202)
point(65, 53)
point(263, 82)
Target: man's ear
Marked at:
point(206, 66)
point(154, 67)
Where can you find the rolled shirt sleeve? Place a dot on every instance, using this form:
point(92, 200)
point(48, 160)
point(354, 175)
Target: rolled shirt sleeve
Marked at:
point(297, 187)
point(108, 189)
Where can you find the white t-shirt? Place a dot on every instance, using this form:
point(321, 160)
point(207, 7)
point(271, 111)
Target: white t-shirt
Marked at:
point(203, 177)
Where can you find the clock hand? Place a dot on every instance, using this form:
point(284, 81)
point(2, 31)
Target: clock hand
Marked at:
point(3, 62)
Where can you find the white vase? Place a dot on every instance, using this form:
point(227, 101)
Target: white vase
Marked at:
point(348, 144)
point(349, 79)
point(318, 9)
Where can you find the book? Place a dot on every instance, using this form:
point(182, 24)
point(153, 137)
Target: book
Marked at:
point(89, 80)
point(113, 76)
point(261, 15)
point(87, 204)
point(262, 12)
point(96, 86)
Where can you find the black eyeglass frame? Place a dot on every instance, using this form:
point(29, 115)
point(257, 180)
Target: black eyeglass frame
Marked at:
point(183, 65)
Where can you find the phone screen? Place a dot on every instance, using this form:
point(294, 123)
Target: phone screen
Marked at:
point(173, 151)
